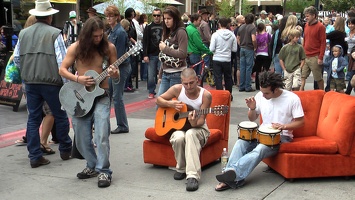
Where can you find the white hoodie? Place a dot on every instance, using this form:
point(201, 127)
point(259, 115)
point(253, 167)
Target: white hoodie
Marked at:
point(223, 42)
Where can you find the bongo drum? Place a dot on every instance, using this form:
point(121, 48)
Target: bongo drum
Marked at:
point(247, 130)
point(269, 136)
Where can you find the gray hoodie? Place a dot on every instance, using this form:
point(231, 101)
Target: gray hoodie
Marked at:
point(223, 42)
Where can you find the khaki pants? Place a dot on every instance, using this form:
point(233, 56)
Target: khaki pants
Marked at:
point(187, 147)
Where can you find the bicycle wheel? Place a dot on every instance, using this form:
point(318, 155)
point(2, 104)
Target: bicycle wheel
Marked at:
point(208, 76)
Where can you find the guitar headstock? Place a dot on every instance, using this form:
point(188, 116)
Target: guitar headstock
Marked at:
point(134, 50)
point(220, 110)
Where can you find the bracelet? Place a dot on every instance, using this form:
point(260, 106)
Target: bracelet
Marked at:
point(77, 79)
point(252, 109)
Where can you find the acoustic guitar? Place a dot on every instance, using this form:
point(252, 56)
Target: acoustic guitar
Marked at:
point(167, 120)
point(77, 99)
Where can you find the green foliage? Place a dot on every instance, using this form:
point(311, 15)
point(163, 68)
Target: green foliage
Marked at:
point(297, 5)
point(338, 5)
point(224, 8)
point(246, 7)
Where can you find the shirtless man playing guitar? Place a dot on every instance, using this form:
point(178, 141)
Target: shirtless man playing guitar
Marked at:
point(89, 53)
point(188, 92)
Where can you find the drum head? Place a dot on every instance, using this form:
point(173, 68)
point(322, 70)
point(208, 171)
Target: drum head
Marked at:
point(248, 125)
point(268, 130)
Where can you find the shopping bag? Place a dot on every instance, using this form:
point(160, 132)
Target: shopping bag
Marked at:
point(12, 73)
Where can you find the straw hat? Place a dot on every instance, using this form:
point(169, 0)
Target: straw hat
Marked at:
point(43, 8)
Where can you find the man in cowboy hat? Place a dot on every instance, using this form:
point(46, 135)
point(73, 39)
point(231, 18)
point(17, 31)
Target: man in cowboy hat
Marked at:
point(39, 53)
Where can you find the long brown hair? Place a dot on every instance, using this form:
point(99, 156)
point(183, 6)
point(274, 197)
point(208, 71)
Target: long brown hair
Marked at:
point(86, 48)
point(173, 12)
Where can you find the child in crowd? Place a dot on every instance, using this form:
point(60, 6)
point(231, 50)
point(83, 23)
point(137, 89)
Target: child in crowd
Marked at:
point(292, 58)
point(334, 66)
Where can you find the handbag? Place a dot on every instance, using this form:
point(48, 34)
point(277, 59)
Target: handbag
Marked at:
point(12, 73)
point(169, 60)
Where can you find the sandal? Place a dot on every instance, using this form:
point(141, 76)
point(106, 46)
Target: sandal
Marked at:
point(222, 188)
point(47, 150)
point(21, 142)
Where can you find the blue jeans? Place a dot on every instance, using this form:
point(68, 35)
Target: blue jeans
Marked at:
point(153, 66)
point(117, 96)
point(100, 117)
point(246, 67)
point(168, 80)
point(349, 87)
point(246, 155)
point(277, 66)
point(36, 95)
point(195, 58)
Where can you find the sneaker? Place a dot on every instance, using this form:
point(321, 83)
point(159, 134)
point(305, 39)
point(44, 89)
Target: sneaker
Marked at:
point(151, 96)
point(87, 173)
point(192, 184)
point(179, 176)
point(41, 161)
point(104, 180)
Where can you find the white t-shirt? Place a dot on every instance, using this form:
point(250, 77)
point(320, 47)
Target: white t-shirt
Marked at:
point(282, 109)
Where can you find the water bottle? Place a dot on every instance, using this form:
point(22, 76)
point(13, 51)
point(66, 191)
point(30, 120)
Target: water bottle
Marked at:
point(224, 159)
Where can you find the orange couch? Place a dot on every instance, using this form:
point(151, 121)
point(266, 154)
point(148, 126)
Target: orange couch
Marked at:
point(325, 146)
point(158, 151)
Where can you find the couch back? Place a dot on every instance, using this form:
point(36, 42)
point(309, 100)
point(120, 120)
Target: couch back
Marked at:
point(337, 121)
point(220, 97)
point(311, 101)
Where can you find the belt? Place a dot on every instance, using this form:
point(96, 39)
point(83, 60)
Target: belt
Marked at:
point(166, 73)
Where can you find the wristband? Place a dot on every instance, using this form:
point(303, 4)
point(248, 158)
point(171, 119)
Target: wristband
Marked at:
point(252, 109)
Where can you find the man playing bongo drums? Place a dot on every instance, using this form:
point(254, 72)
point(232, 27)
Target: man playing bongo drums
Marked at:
point(280, 110)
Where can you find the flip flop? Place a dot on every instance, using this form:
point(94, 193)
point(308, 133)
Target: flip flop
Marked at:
point(47, 150)
point(228, 178)
point(21, 142)
point(225, 187)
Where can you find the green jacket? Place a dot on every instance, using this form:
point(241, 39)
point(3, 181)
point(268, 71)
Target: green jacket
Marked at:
point(195, 44)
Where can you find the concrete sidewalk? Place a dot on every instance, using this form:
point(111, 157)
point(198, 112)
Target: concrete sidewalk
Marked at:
point(133, 179)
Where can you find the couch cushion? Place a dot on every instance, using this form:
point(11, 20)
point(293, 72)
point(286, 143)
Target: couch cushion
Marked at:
point(310, 145)
point(336, 120)
point(215, 136)
point(220, 97)
point(311, 103)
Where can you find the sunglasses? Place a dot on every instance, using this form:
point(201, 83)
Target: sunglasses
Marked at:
point(233, 25)
point(156, 15)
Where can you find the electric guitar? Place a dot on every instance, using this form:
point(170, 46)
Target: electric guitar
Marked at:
point(77, 99)
point(167, 120)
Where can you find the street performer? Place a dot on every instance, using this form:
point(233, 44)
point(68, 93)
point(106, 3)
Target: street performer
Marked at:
point(187, 144)
point(280, 110)
point(90, 52)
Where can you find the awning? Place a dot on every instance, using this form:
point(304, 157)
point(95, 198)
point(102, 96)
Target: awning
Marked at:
point(265, 2)
point(63, 1)
point(168, 2)
point(137, 5)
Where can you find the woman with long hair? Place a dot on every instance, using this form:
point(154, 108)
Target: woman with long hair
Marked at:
point(262, 60)
point(291, 23)
point(173, 49)
point(276, 45)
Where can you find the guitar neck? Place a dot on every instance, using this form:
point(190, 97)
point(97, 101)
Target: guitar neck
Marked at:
point(117, 63)
point(198, 112)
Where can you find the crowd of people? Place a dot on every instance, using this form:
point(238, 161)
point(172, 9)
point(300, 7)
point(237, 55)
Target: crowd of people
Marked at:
point(238, 48)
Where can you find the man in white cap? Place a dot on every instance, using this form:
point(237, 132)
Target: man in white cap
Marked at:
point(71, 29)
point(39, 53)
point(263, 19)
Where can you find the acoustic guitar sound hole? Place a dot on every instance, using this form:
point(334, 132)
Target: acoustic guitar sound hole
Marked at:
point(90, 88)
point(176, 116)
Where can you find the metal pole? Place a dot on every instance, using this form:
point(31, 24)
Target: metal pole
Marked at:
point(78, 11)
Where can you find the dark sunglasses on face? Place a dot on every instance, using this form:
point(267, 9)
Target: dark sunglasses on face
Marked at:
point(156, 15)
